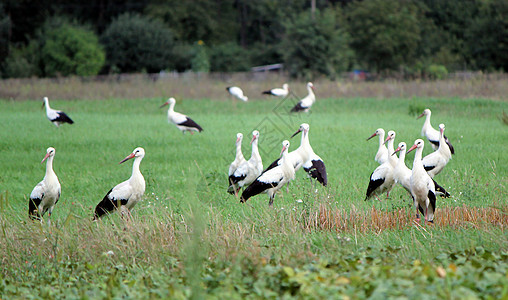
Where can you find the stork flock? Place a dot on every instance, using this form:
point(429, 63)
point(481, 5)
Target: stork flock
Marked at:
point(418, 181)
point(250, 176)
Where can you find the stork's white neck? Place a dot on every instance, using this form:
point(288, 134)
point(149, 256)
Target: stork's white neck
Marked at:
point(426, 124)
point(392, 158)
point(239, 154)
point(171, 108)
point(135, 167)
point(417, 163)
point(255, 151)
point(309, 89)
point(46, 104)
point(402, 156)
point(49, 168)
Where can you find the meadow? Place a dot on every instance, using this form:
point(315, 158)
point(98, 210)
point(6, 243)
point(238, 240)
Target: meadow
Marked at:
point(188, 238)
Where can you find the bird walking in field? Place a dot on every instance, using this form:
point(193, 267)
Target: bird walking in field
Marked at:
point(305, 104)
point(422, 186)
point(272, 180)
point(181, 121)
point(46, 193)
point(248, 171)
point(432, 134)
point(278, 92)
point(239, 159)
point(437, 160)
point(125, 195)
point(382, 151)
point(56, 117)
point(237, 93)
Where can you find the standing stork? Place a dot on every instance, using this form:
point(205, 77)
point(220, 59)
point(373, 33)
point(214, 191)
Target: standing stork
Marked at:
point(390, 139)
point(278, 92)
point(381, 180)
point(272, 180)
point(239, 159)
point(432, 134)
point(305, 104)
point(248, 171)
point(125, 195)
point(46, 193)
point(56, 117)
point(422, 186)
point(181, 121)
point(437, 160)
point(237, 93)
point(382, 151)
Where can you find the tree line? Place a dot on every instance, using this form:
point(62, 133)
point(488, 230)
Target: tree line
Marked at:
point(428, 38)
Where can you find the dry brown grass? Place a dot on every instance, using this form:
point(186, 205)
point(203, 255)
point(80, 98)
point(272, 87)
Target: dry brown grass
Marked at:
point(212, 86)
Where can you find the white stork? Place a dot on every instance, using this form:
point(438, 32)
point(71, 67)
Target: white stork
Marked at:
point(272, 180)
point(239, 159)
point(382, 151)
point(46, 193)
point(422, 186)
point(382, 179)
point(278, 92)
point(125, 195)
point(305, 104)
point(437, 160)
point(237, 93)
point(390, 139)
point(57, 117)
point(431, 134)
point(181, 121)
point(305, 157)
point(249, 170)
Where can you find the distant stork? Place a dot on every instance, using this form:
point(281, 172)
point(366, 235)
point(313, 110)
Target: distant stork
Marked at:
point(305, 104)
point(272, 180)
point(57, 117)
point(437, 160)
point(46, 193)
point(125, 195)
point(422, 186)
point(237, 93)
point(248, 171)
point(382, 151)
point(181, 121)
point(278, 92)
point(239, 159)
point(432, 134)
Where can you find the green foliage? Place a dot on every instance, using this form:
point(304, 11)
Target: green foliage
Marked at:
point(316, 46)
point(135, 43)
point(385, 34)
point(23, 62)
point(71, 50)
point(200, 61)
point(5, 25)
point(229, 57)
point(436, 72)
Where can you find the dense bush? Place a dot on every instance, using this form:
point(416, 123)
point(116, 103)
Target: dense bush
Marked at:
point(229, 57)
point(136, 43)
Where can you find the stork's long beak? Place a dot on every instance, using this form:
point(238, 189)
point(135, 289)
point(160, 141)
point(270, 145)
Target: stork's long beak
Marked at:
point(43, 104)
point(253, 138)
point(412, 148)
point(373, 135)
point(423, 114)
point(282, 151)
point(45, 157)
point(127, 158)
point(165, 103)
point(387, 139)
point(396, 150)
point(237, 139)
point(297, 132)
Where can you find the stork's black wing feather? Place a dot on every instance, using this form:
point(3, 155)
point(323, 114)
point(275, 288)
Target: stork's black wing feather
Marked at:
point(255, 188)
point(428, 168)
point(298, 107)
point(63, 118)
point(373, 185)
point(449, 145)
point(272, 165)
point(318, 171)
point(439, 189)
point(108, 205)
point(432, 200)
point(190, 123)
point(33, 203)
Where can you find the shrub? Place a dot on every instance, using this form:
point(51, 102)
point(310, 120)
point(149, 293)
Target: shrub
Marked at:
point(436, 71)
point(229, 57)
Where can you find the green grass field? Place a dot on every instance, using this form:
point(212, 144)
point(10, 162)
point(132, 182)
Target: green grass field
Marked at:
point(189, 237)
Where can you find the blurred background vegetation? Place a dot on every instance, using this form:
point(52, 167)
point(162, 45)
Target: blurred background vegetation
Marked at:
point(312, 38)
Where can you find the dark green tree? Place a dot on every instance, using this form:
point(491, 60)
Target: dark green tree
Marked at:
point(229, 57)
point(136, 43)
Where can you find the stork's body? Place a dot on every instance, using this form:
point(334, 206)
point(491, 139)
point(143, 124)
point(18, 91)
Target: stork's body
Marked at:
point(56, 117)
point(382, 151)
point(305, 104)
point(239, 159)
point(278, 92)
point(248, 171)
point(437, 160)
point(125, 195)
point(181, 121)
point(272, 180)
point(432, 134)
point(381, 181)
point(46, 193)
point(237, 93)
point(422, 186)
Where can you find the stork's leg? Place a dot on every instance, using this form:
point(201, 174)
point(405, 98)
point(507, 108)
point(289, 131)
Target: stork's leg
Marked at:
point(417, 214)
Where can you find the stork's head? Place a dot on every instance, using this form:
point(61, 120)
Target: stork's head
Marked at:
point(418, 144)
point(303, 127)
point(138, 152)
point(426, 112)
point(171, 101)
point(255, 136)
point(50, 152)
point(310, 85)
point(441, 128)
point(391, 136)
point(44, 101)
point(285, 86)
point(402, 147)
point(239, 137)
point(285, 147)
point(379, 131)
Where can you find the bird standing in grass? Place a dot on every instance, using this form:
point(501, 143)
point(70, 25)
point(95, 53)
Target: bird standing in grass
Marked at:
point(239, 159)
point(46, 193)
point(305, 104)
point(248, 171)
point(237, 93)
point(278, 92)
point(437, 160)
point(181, 121)
point(125, 195)
point(56, 117)
point(432, 134)
point(382, 151)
